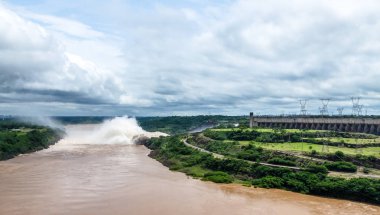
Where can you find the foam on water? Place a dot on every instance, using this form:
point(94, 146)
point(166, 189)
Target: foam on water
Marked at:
point(119, 130)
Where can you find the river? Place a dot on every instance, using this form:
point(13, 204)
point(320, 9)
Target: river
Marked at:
point(73, 177)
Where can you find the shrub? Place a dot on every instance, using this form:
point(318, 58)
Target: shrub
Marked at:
point(218, 177)
point(341, 166)
point(296, 185)
point(268, 182)
point(281, 161)
point(372, 158)
point(249, 155)
point(215, 135)
point(339, 154)
point(317, 169)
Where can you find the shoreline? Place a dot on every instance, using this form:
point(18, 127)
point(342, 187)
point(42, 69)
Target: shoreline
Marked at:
point(305, 200)
point(176, 156)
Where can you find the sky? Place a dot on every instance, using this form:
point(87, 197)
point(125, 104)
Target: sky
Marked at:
point(155, 58)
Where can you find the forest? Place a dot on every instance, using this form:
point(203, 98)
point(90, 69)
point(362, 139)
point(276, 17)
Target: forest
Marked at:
point(182, 124)
point(18, 137)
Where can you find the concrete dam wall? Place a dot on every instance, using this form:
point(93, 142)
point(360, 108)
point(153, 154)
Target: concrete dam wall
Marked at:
point(344, 124)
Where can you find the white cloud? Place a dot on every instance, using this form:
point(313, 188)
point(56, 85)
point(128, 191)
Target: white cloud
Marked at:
point(130, 100)
point(219, 58)
point(36, 61)
point(65, 26)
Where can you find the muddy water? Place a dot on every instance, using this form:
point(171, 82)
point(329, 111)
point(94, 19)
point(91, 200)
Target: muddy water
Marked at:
point(74, 178)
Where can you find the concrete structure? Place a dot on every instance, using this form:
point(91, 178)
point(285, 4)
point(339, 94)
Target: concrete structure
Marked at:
point(251, 120)
point(352, 124)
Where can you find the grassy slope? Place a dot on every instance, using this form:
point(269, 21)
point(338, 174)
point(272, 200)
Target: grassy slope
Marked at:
point(351, 140)
point(308, 147)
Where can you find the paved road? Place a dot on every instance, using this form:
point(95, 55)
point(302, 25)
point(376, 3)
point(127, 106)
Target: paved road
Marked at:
point(215, 155)
point(331, 173)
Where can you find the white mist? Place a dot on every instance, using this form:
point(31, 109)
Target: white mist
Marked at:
point(119, 130)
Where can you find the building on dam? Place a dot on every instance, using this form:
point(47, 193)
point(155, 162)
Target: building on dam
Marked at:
point(343, 124)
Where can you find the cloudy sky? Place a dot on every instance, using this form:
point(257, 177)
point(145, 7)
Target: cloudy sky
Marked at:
point(142, 57)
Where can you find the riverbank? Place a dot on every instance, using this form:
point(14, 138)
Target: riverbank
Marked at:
point(172, 152)
point(20, 138)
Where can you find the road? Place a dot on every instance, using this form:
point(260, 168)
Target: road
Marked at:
point(216, 155)
point(331, 173)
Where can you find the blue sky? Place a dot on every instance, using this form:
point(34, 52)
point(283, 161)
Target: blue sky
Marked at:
point(122, 57)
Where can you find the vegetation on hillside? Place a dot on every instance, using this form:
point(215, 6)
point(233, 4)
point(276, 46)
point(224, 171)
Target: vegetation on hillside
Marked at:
point(19, 138)
point(250, 152)
point(361, 153)
point(81, 119)
point(314, 180)
point(183, 124)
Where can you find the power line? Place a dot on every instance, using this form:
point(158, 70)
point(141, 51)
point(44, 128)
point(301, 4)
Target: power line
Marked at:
point(356, 107)
point(303, 110)
point(324, 109)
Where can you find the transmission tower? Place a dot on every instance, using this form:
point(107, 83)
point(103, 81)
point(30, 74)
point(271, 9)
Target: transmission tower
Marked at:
point(324, 109)
point(356, 109)
point(340, 111)
point(360, 110)
point(303, 110)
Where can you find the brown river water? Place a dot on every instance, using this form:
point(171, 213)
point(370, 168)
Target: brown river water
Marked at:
point(75, 178)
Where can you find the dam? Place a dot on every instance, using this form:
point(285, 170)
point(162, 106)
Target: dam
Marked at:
point(342, 124)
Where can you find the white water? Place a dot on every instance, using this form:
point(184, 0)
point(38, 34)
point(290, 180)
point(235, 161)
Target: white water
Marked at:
point(119, 130)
